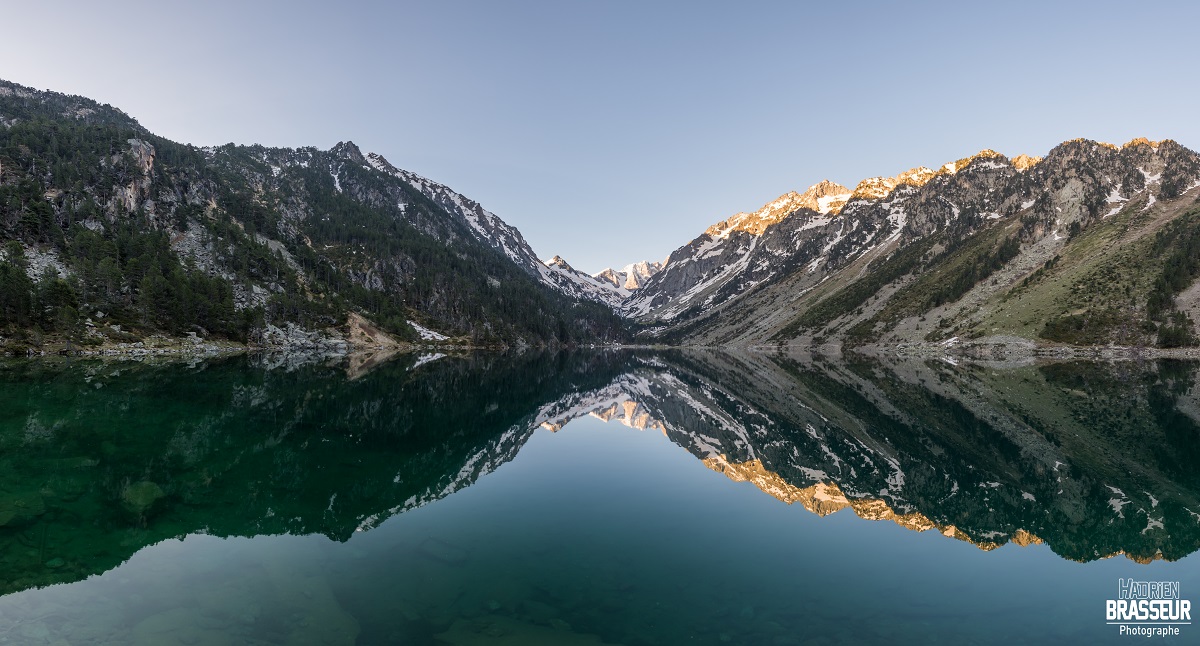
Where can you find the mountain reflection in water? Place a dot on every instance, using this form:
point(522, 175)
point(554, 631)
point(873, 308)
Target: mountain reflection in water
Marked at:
point(101, 459)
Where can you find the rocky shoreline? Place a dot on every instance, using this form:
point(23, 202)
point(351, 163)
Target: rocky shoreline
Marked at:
point(293, 340)
point(1010, 347)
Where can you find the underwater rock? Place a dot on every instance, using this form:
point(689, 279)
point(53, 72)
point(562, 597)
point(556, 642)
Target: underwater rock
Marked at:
point(20, 509)
point(540, 613)
point(180, 627)
point(320, 617)
point(140, 497)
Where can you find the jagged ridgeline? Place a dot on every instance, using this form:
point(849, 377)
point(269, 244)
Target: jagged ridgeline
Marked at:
point(107, 227)
point(1092, 245)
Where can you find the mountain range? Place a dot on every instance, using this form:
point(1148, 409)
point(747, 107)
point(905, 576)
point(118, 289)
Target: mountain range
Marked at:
point(113, 235)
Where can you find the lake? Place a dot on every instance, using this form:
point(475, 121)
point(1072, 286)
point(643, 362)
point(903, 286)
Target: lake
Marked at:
point(616, 497)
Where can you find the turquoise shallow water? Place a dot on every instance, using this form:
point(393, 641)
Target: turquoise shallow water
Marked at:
point(487, 501)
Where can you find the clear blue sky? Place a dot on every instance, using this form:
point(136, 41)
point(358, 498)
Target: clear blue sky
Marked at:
point(611, 132)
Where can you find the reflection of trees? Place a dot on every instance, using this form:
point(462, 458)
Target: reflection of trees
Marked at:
point(99, 459)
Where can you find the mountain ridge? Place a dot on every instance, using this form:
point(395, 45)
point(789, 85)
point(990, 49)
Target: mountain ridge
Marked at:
point(1021, 212)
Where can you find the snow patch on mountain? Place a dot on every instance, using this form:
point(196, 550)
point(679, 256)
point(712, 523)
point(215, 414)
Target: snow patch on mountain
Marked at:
point(426, 333)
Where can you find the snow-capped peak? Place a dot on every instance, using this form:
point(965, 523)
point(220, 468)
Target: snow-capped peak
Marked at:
point(380, 164)
point(992, 157)
point(918, 176)
point(558, 261)
point(598, 288)
point(609, 276)
point(631, 276)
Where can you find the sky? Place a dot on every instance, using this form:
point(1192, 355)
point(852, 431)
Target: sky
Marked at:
point(613, 132)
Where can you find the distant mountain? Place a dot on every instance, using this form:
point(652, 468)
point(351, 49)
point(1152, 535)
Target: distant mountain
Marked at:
point(632, 276)
point(114, 233)
point(610, 287)
point(577, 283)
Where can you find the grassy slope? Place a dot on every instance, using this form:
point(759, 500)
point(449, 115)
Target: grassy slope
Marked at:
point(1101, 278)
point(1092, 291)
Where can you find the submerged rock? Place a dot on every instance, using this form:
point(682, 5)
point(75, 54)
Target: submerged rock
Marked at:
point(186, 627)
point(140, 497)
point(20, 509)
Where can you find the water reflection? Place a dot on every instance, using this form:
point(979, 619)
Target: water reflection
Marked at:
point(1095, 459)
point(99, 460)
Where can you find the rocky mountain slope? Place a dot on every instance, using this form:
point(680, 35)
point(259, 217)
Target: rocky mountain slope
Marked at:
point(113, 233)
point(1090, 245)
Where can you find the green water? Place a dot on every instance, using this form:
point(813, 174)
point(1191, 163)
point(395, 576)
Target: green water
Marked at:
point(738, 499)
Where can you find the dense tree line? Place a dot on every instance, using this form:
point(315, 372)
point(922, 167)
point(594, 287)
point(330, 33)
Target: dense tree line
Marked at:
point(1177, 247)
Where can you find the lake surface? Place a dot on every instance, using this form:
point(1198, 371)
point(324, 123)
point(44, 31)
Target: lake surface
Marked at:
point(588, 498)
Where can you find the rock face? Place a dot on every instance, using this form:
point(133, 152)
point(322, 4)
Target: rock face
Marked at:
point(638, 273)
point(296, 338)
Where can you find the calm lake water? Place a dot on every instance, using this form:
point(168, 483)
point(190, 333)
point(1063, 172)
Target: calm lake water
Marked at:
point(588, 498)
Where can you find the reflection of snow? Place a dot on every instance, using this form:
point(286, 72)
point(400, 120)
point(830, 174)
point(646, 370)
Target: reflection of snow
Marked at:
point(1118, 503)
point(426, 358)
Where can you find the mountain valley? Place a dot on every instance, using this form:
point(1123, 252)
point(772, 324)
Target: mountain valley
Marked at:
point(114, 236)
